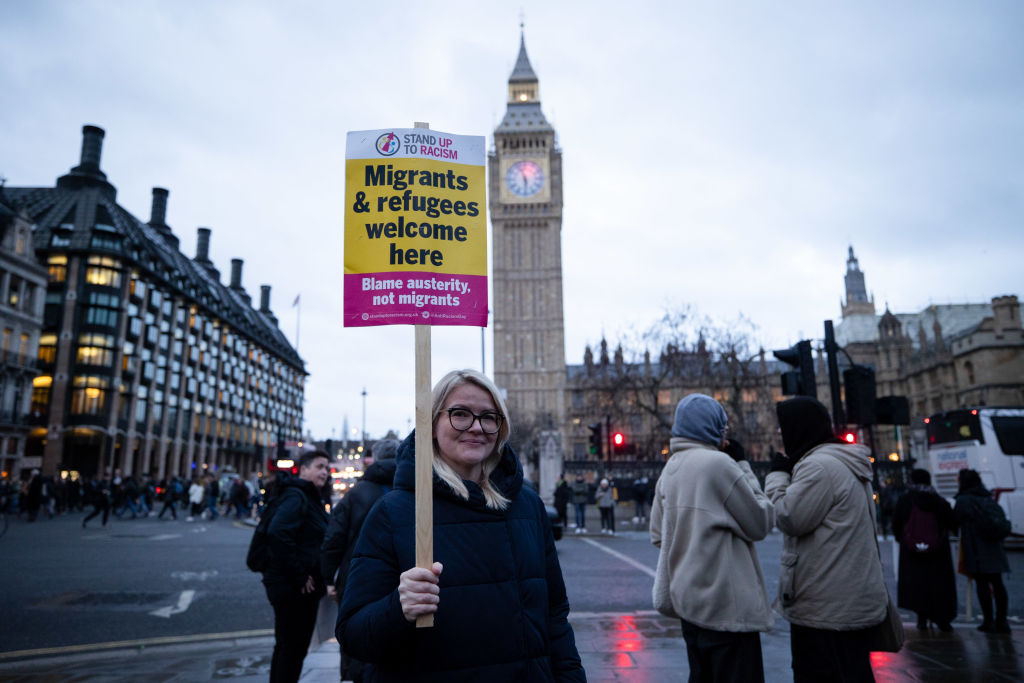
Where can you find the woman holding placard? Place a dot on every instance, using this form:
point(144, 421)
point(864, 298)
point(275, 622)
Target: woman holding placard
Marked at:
point(496, 590)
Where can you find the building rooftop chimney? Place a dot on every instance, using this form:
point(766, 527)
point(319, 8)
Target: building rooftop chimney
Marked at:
point(158, 216)
point(236, 273)
point(88, 173)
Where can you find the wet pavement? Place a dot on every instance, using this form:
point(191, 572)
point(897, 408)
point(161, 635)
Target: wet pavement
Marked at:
point(642, 647)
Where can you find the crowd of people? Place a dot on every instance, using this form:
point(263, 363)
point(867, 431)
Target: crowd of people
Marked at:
point(495, 553)
point(127, 497)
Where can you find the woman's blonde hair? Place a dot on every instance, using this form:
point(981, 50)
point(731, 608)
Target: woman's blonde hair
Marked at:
point(442, 390)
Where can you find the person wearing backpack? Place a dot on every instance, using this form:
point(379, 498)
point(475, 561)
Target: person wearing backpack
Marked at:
point(983, 525)
point(343, 529)
point(292, 574)
point(921, 522)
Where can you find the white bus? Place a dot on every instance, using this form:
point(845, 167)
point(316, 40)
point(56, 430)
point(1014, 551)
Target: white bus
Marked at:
point(988, 440)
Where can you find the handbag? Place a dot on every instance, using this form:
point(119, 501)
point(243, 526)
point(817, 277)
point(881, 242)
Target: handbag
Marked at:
point(888, 634)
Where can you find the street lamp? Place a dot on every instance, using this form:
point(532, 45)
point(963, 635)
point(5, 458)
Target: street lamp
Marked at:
point(364, 418)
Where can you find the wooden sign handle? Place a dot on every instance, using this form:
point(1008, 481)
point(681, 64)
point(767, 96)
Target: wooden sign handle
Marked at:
point(424, 454)
point(424, 461)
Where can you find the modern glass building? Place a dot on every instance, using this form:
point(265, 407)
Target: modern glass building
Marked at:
point(147, 361)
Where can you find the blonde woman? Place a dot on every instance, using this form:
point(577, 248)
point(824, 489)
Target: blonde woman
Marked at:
point(496, 590)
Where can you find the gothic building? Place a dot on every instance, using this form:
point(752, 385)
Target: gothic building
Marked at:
point(525, 184)
point(147, 361)
point(943, 357)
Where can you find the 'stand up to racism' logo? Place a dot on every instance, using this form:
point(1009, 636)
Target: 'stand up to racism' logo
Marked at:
point(387, 144)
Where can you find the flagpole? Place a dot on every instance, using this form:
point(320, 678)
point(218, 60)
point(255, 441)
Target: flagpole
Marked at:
point(297, 304)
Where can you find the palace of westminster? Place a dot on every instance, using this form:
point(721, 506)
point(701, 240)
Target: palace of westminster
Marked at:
point(118, 350)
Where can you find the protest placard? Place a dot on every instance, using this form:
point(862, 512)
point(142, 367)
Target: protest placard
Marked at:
point(415, 228)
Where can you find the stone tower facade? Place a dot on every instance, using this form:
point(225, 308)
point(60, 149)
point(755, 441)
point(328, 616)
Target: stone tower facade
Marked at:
point(525, 183)
point(857, 300)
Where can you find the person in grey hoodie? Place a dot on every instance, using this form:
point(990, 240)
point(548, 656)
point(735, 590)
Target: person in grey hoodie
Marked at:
point(708, 512)
point(830, 588)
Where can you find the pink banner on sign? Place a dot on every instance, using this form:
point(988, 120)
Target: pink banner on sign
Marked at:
point(414, 298)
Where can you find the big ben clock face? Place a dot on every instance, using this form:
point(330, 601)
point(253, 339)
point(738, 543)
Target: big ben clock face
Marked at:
point(524, 178)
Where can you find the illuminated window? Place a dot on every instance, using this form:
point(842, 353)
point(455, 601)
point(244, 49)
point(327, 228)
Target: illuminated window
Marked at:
point(89, 395)
point(14, 292)
point(47, 348)
point(57, 265)
point(41, 393)
point(96, 349)
point(103, 271)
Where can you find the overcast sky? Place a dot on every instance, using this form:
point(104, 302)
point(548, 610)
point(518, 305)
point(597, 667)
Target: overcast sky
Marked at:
point(718, 154)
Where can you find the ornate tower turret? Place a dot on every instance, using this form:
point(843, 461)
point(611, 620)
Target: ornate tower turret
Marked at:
point(857, 301)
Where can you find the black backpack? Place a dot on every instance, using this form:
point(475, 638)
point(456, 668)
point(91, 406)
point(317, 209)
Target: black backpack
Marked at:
point(258, 557)
point(991, 522)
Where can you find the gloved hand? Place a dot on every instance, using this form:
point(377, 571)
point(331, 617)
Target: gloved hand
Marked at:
point(781, 463)
point(735, 450)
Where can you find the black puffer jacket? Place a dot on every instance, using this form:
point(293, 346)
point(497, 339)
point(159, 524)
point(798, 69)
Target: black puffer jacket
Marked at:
point(295, 535)
point(347, 519)
point(981, 556)
point(503, 612)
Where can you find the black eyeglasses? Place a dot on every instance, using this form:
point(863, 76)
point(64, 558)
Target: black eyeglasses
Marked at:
point(462, 419)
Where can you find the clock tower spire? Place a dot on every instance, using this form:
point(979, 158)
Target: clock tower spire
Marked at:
point(525, 183)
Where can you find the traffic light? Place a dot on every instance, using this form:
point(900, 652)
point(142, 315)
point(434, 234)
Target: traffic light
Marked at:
point(595, 439)
point(848, 436)
point(892, 410)
point(860, 395)
point(618, 441)
point(799, 381)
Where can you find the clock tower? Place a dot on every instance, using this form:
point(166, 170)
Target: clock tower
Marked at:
point(525, 183)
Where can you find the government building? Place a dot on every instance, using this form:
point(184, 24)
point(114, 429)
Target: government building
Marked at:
point(146, 360)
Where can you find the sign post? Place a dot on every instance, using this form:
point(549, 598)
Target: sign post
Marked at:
point(416, 254)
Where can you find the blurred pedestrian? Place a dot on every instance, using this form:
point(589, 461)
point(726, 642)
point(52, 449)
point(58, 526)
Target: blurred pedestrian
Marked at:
point(33, 495)
point(212, 493)
point(605, 499)
point(239, 498)
point(500, 604)
point(343, 529)
point(921, 522)
point(196, 494)
point(292, 579)
point(580, 495)
point(983, 525)
point(562, 496)
point(99, 496)
point(129, 495)
point(888, 497)
point(172, 492)
point(708, 512)
point(831, 588)
point(641, 492)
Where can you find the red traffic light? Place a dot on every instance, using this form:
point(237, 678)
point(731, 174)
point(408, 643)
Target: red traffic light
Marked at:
point(618, 439)
point(849, 437)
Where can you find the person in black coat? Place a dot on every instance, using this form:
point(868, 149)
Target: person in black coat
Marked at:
point(292, 579)
point(984, 559)
point(927, 583)
point(562, 495)
point(496, 592)
point(343, 529)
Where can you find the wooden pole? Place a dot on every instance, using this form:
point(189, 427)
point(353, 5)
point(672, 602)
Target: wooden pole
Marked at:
point(424, 456)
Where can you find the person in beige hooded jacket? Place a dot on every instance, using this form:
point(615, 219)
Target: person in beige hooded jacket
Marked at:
point(831, 588)
point(708, 512)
